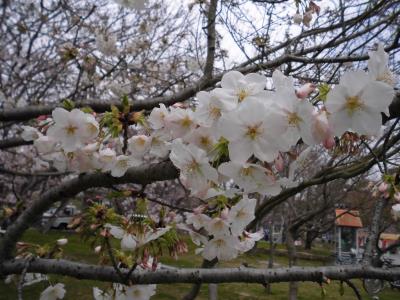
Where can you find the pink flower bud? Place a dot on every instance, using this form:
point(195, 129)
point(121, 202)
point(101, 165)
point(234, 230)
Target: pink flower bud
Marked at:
point(225, 213)
point(321, 130)
point(305, 90)
point(383, 187)
point(329, 143)
point(279, 163)
point(199, 210)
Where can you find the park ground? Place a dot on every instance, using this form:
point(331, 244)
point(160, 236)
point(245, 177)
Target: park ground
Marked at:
point(78, 250)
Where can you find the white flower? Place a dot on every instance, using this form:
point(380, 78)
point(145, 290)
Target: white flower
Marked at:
point(237, 87)
point(139, 145)
point(135, 292)
point(122, 164)
point(197, 220)
point(357, 102)
point(62, 242)
point(249, 240)
point(202, 137)
point(159, 147)
point(30, 133)
point(297, 113)
point(101, 295)
point(180, 122)
point(396, 211)
point(252, 129)
point(217, 227)
point(250, 177)
point(53, 292)
point(130, 241)
point(223, 247)
point(211, 106)
point(107, 158)
point(193, 164)
point(378, 66)
point(196, 237)
point(32, 278)
point(242, 214)
point(45, 144)
point(157, 117)
point(72, 129)
point(151, 235)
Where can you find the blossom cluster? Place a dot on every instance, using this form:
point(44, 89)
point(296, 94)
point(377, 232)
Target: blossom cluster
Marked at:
point(227, 146)
point(224, 236)
point(237, 131)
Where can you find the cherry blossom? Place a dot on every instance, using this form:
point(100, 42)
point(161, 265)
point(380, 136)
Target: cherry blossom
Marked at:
point(252, 129)
point(198, 220)
point(250, 177)
point(211, 106)
point(223, 247)
point(194, 166)
point(378, 66)
point(249, 240)
point(30, 133)
point(134, 292)
point(53, 292)
point(357, 102)
point(122, 164)
point(237, 87)
point(72, 129)
point(297, 113)
point(242, 214)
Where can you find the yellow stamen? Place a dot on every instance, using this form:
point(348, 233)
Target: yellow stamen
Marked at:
point(71, 129)
point(186, 122)
point(293, 119)
point(353, 103)
point(245, 171)
point(242, 94)
point(215, 112)
point(253, 131)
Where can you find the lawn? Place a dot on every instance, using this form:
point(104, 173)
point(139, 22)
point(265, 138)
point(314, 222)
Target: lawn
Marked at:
point(82, 289)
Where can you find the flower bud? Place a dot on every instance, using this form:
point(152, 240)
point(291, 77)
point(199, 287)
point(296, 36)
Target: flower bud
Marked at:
point(279, 163)
point(305, 90)
point(383, 187)
point(97, 250)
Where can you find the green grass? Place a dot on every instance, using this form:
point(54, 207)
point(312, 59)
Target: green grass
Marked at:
point(78, 250)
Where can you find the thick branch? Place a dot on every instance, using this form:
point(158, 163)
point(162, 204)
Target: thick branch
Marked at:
point(208, 68)
point(13, 142)
point(170, 275)
point(142, 175)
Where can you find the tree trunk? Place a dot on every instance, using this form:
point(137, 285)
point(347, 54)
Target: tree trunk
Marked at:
point(272, 247)
point(293, 286)
point(213, 291)
point(308, 240)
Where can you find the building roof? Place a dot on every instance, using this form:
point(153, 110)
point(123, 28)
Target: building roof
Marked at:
point(389, 236)
point(348, 218)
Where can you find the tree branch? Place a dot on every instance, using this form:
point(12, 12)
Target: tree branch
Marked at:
point(188, 275)
point(143, 175)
